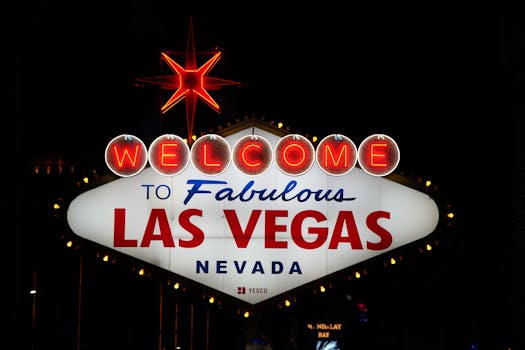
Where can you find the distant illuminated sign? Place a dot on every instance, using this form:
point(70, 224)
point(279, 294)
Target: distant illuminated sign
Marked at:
point(252, 215)
point(322, 330)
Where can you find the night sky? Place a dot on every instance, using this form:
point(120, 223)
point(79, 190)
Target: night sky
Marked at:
point(433, 77)
point(429, 79)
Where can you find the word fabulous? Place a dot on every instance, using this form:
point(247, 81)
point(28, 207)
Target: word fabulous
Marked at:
point(127, 155)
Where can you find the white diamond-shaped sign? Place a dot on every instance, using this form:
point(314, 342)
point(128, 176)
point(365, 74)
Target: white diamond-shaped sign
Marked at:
point(253, 237)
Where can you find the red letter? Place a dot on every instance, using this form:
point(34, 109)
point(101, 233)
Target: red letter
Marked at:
point(321, 232)
point(336, 154)
point(353, 234)
point(270, 228)
point(165, 154)
point(253, 161)
point(126, 155)
point(343, 153)
point(185, 223)
point(158, 215)
point(294, 158)
point(386, 237)
point(205, 157)
point(375, 154)
point(241, 238)
point(119, 230)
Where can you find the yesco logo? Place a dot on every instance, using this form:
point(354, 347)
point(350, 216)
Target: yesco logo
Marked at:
point(252, 215)
point(169, 155)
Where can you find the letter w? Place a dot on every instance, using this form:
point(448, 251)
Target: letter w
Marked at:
point(126, 154)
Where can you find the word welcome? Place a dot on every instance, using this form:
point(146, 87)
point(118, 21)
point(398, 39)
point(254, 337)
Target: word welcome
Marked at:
point(168, 155)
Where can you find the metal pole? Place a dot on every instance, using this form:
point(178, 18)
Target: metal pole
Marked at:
point(191, 327)
point(160, 316)
point(79, 313)
point(208, 327)
point(34, 312)
point(176, 339)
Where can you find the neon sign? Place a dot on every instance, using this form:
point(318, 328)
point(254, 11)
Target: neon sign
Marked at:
point(252, 214)
point(294, 155)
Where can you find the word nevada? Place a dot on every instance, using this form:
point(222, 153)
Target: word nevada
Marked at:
point(211, 154)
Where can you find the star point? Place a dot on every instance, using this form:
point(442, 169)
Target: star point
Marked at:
point(189, 83)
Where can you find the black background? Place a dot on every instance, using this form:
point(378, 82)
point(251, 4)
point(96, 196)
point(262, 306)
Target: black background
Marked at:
point(444, 80)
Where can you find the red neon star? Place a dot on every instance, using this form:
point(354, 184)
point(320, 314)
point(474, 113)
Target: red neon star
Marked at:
point(190, 82)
